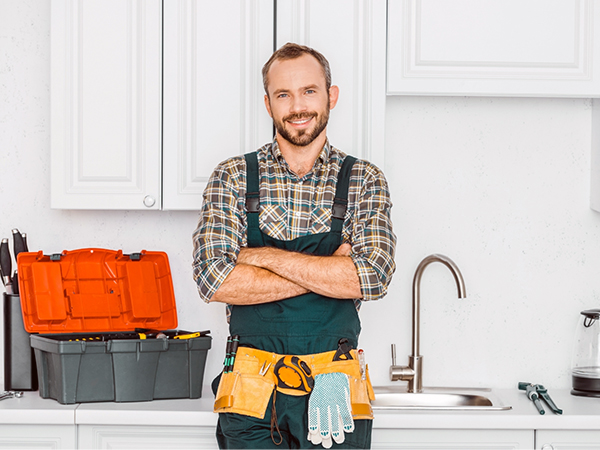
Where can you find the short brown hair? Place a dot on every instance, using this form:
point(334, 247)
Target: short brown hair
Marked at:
point(293, 51)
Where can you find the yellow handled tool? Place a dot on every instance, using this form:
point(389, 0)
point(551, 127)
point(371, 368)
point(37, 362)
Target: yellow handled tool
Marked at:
point(189, 335)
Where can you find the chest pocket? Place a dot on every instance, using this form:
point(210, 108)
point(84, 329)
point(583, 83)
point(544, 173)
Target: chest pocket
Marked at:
point(320, 220)
point(274, 221)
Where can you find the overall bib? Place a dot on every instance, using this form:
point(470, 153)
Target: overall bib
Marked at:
point(301, 325)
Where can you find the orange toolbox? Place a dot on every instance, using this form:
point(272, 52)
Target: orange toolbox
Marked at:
point(103, 327)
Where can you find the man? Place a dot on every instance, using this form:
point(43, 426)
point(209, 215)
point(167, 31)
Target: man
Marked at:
point(293, 238)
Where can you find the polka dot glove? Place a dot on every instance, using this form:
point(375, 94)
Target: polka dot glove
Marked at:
point(329, 410)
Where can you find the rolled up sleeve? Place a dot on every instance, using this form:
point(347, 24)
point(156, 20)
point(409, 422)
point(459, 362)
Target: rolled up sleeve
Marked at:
point(220, 231)
point(373, 239)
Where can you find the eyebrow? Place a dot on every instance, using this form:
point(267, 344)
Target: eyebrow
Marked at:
point(304, 88)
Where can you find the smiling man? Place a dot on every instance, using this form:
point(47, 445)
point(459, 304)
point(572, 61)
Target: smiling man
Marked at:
point(293, 238)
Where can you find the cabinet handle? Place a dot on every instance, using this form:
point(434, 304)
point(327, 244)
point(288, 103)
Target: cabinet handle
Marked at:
point(547, 447)
point(149, 201)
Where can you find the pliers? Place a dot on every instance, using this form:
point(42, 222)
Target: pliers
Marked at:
point(11, 394)
point(534, 392)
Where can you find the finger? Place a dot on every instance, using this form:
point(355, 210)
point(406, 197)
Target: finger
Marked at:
point(325, 423)
point(337, 430)
point(314, 434)
point(346, 414)
point(327, 443)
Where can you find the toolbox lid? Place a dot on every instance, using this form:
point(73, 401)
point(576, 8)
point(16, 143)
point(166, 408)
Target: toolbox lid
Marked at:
point(96, 290)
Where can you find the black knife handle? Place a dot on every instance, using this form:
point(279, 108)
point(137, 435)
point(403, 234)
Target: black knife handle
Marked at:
point(19, 244)
point(5, 261)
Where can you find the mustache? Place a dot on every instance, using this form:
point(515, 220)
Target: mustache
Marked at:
point(299, 116)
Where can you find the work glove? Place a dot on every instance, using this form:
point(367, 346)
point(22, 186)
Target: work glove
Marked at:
point(329, 410)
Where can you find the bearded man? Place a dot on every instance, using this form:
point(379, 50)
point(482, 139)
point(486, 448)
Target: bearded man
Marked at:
point(293, 238)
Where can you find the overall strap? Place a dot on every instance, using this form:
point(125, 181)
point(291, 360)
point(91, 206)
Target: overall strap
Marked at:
point(340, 202)
point(252, 189)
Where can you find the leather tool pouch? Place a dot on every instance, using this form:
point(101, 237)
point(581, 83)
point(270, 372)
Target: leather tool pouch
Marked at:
point(246, 391)
point(361, 391)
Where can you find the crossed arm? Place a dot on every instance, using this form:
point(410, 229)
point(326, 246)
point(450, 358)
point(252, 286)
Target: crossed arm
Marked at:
point(268, 274)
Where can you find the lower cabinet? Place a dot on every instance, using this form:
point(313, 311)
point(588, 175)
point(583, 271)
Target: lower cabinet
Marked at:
point(567, 440)
point(37, 436)
point(146, 437)
point(452, 439)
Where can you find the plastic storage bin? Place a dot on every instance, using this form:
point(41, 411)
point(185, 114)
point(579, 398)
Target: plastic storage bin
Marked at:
point(84, 368)
point(97, 313)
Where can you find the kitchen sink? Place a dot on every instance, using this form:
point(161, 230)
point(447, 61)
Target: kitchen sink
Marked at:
point(437, 398)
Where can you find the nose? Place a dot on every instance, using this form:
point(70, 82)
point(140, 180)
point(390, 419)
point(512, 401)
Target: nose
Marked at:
point(298, 104)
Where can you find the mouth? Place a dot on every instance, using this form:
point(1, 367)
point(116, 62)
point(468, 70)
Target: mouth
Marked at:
point(300, 122)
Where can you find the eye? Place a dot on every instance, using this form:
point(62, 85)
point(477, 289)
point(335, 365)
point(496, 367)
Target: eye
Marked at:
point(282, 95)
point(310, 91)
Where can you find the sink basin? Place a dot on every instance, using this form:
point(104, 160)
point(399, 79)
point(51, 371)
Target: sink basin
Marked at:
point(465, 399)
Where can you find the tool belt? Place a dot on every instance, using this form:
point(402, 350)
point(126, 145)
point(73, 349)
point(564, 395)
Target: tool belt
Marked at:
point(256, 374)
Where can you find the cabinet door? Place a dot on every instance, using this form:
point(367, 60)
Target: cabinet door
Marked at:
point(106, 104)
point(146, 437)
point(213, 94)
point(37, 436)
point(351, 35)
point(567, 440)
point(496, 48)
point(595, 158)
point(452, 439)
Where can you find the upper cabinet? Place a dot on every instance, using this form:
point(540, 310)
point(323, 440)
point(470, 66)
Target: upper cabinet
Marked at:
point(106, 104)
point(213, 91)
point(148, 96)
point(351, 35)
point(494, 48)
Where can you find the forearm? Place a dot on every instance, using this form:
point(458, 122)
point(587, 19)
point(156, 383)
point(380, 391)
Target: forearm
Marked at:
point(332, 276)
point(249, 285)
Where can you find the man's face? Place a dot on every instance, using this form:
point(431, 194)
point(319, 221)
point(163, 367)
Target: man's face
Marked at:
point(298, 100)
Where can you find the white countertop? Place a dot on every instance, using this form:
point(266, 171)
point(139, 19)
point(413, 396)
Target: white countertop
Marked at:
point(579, 413)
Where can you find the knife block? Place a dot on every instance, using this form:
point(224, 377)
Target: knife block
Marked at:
point(20, 372)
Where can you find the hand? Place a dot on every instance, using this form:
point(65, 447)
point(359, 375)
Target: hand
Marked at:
point(329, 410)
point(343, 250)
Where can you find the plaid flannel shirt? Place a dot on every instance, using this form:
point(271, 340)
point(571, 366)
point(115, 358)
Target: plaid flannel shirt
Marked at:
point(292, 207)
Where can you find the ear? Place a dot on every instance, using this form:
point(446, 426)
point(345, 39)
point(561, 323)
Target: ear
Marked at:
point(334, 93)
point(268, 105)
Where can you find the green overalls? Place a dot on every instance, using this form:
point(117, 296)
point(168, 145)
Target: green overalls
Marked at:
point(301, 325)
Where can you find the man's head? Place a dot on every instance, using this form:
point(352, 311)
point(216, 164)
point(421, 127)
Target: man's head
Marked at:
point(293, 51)
point(299, 94)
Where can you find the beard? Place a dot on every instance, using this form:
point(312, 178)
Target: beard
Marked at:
point(302, 138)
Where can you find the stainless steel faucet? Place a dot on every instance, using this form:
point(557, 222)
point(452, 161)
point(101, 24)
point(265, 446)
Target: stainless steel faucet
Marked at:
point(413, 373)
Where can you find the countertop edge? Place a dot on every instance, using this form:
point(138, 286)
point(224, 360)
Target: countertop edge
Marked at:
point(579, 414)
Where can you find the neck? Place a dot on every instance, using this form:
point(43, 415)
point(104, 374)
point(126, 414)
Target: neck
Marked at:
point(301, 159)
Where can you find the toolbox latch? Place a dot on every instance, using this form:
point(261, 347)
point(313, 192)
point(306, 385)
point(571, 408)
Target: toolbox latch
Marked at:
point(55, 257)
point(135, 256)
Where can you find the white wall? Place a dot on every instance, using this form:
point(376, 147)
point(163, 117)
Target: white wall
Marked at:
point(500, 185)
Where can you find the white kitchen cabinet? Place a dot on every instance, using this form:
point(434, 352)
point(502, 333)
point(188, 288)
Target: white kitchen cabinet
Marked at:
point(146, 437)
point(106, 104)
point(595, 158)
point(37, 436)
point(567, 440)
point(351, 35)
point(495, 48)
point(452, 439)
point(142, 113)
point(213, 90)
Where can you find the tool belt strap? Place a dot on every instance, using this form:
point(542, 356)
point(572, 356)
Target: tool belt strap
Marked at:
point(254, 370)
